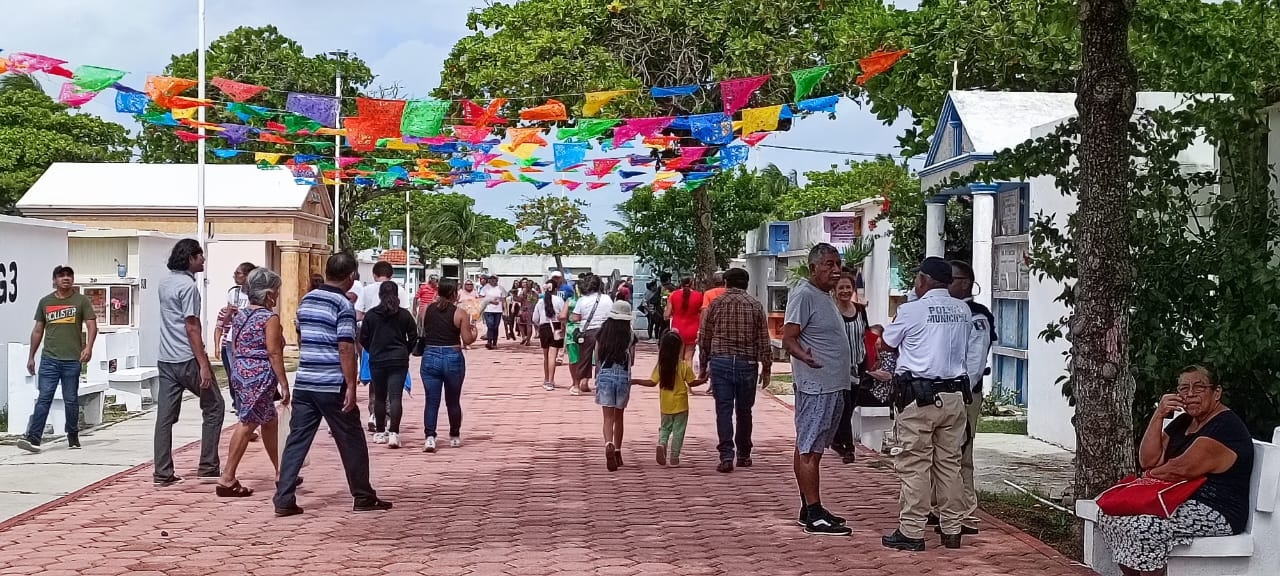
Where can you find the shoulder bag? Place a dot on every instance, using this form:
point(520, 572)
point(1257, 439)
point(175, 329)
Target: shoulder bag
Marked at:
point(580, 338)
point(1147, 496)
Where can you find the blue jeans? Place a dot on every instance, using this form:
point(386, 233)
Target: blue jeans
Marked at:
point(52, 373)
point(733, 381)
point(492, 321)
point(443, 369)
point(348, 433)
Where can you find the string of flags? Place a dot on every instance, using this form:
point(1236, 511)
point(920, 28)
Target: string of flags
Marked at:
point(473, 148)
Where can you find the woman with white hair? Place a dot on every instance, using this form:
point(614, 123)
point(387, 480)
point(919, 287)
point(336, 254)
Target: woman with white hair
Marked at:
point(257, 367)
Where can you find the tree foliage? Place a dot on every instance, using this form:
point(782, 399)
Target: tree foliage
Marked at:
point(660, 226)
point(828, 190)
point(36, 131)
point(462, 233)
point(557, 226)
point(374, 220)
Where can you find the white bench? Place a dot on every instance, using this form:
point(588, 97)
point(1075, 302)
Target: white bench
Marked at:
point(115, 360)
point(1255, 552)
point(870, 424)
point(23, 392)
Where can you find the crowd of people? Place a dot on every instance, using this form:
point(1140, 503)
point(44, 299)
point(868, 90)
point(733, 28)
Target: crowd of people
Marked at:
point(927, 363)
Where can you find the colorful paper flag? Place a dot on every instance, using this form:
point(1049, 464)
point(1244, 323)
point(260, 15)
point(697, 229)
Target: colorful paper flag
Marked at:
point(629, 186)
point(424, 118)
point(361, 135)
point(807, 79)
point(225, 152)
point(26, 63)
point(877, 63)
point(756, 138)
point(183, 113)
point(673, 91)
point(737, 93)
point(601, 167)
point(71, 97)
point(481, 116)
point(317, 107)
point(733, 156)
point(95, 79)
point(131, 103)
point(159, 88)
point(520, 136)
point(569, 154)
point(473, 134)
point(596, 185)
point(715, 128)
point(188, 137)
point(763, 119)
point(640, 127)
point(267, 157)
point(587, 128)
point(552, 111)
point(822, 104)
point(595, 101)
point(237, 91)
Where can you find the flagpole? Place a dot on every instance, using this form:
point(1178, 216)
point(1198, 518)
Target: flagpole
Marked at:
point(337, 151)
point(200, 146)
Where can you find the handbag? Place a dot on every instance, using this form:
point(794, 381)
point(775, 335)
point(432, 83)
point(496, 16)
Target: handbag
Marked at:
point(1147, 496)
point(581, 337)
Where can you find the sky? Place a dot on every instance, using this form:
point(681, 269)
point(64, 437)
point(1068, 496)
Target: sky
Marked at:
point(405, 42)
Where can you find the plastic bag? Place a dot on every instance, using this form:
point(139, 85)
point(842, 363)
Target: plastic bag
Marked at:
point(282, 430)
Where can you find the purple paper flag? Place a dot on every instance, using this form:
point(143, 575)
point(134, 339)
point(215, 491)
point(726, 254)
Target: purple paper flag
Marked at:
point(322, 109)
point(235, 134)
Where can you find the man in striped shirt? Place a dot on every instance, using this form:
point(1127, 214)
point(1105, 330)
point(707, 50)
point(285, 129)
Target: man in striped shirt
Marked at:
point(325, 387)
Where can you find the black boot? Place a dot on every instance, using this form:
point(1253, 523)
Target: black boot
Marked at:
point(899, 542)
point(951, 540)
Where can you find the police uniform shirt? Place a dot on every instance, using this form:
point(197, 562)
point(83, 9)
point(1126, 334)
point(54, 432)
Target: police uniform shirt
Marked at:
point(932, 336)
point(979, 342)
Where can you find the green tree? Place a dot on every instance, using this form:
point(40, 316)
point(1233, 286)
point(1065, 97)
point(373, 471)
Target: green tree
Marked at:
point(36, 131)
point(828, 190)
point(464, 233)
point(558, 226)
point(613, 243)
point(265, 57)
point(374, 220)
point(660, 226)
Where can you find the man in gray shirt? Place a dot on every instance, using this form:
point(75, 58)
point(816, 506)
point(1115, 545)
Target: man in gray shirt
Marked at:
point(814, 337)
point(184, 365)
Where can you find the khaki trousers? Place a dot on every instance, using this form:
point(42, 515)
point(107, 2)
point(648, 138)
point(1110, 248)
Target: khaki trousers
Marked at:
point(972, 412)
point(931, 439)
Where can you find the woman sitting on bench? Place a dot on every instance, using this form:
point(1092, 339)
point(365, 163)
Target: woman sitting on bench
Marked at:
point(1207, 440)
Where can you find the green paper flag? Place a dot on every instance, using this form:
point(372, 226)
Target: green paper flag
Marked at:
point(386, 179)
point(530, 161)
point(588, 128)
point(806, 80)
point(95, 79)
point(247, 110)
point(295, 123)
point(319, 144)
point(423, 118)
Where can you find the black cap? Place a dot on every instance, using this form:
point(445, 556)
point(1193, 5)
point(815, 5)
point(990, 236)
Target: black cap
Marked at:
point(937, 268)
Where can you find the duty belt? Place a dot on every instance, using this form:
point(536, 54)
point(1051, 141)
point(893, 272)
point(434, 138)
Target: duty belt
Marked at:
point(908, 388)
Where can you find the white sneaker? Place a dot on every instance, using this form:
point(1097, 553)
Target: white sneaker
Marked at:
point(380, 438)
point(455, 442)
point(431, 444)
point(393, 440)
point(548, 386)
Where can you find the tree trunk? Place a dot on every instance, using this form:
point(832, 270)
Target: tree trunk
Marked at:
point(462, 268)
point(1103, 386)
point(704, 238)
point(555, 252)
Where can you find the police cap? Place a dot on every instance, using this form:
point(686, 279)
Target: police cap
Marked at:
point(936, 268)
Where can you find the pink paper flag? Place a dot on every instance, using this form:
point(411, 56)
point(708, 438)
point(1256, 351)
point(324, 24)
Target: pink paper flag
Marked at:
point(596, 185)
point(693, 152)
point(345, 161)
point(601, 167)
point(755, 138)
point(472, 134)
point(570, 184)
point(640, 127)
point(68, 95)
point(26, 63)
point(737, 92)
point(494, 183)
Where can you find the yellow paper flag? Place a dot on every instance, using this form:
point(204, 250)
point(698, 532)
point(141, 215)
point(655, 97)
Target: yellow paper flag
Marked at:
point(665, 175)
point(597, 100)
point(399, 144)
point(760, 119)
point(523, 151)
point(267, 157)
point(183, 113)
point(500, 163)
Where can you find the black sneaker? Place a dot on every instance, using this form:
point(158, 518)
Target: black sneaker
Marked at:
point(617, 456)
point(209, 476)
point(73, 441)
point(804, 517)
point(167, 482)
point(964, 530)
point(932, 520)
point(293, 510)
point(744, 462)
point(899, 542)
point(375, 506)
point(26, 444)
point(824, 526)
point(951, 541)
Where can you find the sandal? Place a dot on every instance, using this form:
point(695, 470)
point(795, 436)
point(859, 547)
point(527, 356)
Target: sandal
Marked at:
point(233, 491)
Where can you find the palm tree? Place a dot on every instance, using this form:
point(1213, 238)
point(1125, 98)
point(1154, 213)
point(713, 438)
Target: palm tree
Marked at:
point(11, 82)
point(463, 229)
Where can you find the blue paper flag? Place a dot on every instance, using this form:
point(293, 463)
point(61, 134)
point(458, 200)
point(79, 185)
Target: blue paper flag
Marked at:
point(627, 174)
point(786, 113)
point(399, 171)
point(640, 160)
point(673, 91)
point(736, 155)
point(225, 152)
point(131, 103)
point(569, 154)
point(446, 148)
point(712, 129)
point(823, 104)
point(680, 123)
point(460, 163)
point(696, 176)
point(538, 184)
point(364, 181)
point(629, 186)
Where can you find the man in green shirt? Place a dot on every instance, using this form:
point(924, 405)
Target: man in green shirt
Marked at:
point(60, 317)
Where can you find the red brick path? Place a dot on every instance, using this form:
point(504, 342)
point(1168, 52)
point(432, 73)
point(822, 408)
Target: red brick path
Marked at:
point(526, 494)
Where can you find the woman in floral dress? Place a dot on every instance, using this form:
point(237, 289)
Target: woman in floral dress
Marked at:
point(528, 298)
point(257, 344)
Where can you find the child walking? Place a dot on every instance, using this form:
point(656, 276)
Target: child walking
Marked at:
point(673, 376)
point(615, 353)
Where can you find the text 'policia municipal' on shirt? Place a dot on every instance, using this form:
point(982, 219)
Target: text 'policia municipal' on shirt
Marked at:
point(932, 336)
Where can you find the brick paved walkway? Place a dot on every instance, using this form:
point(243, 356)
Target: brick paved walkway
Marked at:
point(526, 494)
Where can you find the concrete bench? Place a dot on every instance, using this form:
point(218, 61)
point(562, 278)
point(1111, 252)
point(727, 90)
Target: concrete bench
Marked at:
point(23, 392)
point(870, 424)
point(115, 360)
point(1255, 552)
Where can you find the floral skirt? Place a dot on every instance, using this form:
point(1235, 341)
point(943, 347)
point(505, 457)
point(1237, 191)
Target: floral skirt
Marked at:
point(255, 389)
point(1144, 542)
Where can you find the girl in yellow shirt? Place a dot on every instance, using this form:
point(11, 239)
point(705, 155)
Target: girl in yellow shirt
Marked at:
point(673, 377)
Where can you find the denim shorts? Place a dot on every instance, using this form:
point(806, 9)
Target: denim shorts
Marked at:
point(613, 387)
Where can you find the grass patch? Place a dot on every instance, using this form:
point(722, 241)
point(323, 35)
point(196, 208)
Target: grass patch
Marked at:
point(781, 384)
point(1053, 527)
point(1002, 426)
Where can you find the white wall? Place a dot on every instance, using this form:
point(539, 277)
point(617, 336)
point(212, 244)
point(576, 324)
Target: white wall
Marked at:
point(510, 267)
point(29, 249)
point(1048, 414)
point(150, 269)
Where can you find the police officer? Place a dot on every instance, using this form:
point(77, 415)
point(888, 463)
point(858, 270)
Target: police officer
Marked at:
point(978, 352)
point(930, 389)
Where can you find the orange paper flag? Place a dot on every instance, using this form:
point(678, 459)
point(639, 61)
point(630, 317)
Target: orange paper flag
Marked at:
point(552, 111)
point(479, 116)
point(879, 61)
point(526, 136)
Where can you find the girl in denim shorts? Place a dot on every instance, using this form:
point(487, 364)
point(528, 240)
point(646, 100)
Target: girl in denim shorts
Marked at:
point(615, 353)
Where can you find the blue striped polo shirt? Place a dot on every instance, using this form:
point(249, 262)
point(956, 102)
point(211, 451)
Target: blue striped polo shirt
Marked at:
point(325, 318)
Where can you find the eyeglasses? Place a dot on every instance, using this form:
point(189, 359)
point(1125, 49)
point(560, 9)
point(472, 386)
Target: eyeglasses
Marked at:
point(1196, 389)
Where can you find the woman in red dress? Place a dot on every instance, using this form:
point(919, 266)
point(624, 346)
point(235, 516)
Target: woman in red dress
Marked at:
point(684, 310)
